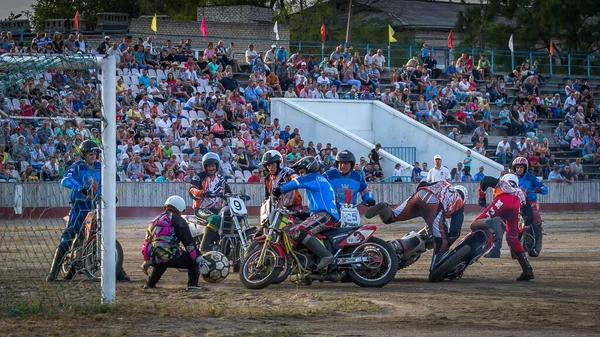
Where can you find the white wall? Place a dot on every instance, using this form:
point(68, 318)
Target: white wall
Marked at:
point(313, 126)
point(393, 128)
point(358, 125)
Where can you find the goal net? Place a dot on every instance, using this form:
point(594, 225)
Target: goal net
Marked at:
point(50, 104)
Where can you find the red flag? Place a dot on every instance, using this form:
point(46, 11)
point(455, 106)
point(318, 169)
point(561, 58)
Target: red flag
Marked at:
point(551, 48)
point(323, 33)
point(76, 20)
point(450, 39)
point(203, 28)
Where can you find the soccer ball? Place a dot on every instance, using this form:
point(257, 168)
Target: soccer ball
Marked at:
point(219, 267)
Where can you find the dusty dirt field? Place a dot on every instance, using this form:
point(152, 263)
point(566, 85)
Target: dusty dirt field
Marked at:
point(563, 300)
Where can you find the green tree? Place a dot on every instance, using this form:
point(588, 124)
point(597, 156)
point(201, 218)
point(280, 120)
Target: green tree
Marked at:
point(571, 24)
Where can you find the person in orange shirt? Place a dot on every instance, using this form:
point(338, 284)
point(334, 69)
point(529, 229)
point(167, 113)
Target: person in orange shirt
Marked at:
point(434, 202)
point(275, 176)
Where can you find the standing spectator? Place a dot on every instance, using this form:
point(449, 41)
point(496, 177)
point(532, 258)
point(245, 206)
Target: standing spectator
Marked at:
point(479, 175)
point(439, 172)
point(374, 154)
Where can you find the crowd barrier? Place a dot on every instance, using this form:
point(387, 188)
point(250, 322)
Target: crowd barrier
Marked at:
point(50, 199)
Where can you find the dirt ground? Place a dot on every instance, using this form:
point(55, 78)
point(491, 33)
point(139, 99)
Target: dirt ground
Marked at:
point(563, 300)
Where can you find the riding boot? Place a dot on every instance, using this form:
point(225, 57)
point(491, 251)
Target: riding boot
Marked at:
point(210, 238)
point(122, 275)
point(497, 226)
point(56, 263)
point(538, 235)
point(315, 246)
point(435, 258)
point(527, 273)
point(384, 211)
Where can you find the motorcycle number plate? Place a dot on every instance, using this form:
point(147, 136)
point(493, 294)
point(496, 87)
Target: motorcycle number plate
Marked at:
point(350, 217)
point(237, 206)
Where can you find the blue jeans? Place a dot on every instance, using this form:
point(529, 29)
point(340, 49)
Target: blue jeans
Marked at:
point(354, 82)
point(264, 104)
point(502, 156)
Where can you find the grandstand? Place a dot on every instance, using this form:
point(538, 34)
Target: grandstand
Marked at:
point(163, 127)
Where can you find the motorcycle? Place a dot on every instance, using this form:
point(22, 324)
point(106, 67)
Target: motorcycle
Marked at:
point(367, 260)
point(471, 248)
point(84, 255)
point(234, 230)
point(410, 247)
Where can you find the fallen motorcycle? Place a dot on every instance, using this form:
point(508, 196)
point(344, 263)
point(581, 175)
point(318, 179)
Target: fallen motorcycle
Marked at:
point(411, 246)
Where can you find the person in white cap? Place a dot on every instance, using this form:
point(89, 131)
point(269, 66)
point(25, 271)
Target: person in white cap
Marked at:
point(271, 57)
point(438, 172)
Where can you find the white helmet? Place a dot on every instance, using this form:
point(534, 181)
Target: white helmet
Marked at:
point(511, 178)
point(464, 191)
point(176, 202)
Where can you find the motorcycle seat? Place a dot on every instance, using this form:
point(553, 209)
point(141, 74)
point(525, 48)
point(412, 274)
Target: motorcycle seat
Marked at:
point(337, 231)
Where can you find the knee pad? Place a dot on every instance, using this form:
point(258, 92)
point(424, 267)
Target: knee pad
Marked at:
point(299, 234)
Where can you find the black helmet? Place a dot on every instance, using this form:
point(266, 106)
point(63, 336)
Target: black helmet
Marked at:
point(309, 163)
point(272, 156)
point(210, 158)
point(345, 156)
point(89, 146)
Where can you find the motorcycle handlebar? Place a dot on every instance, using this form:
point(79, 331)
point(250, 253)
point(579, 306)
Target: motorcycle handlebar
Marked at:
point(226, 195)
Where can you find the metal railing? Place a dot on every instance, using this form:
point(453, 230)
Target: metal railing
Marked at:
point(569, 65)
point(406, 153)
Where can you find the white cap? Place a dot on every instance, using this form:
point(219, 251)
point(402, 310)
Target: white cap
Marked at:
point(214, 97)
point(124, 155)
point(273, 46)
point(437, 156)
point(106, 37)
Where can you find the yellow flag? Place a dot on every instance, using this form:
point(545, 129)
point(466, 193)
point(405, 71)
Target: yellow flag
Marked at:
point(153, 25)
point(391, 34)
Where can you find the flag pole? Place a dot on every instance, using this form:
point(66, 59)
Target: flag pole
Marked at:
point(389, 62)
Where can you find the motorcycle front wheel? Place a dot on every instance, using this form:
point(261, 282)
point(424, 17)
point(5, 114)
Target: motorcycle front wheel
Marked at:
point(380, 266)
point(91, 262)
point(255, 276)
point(438, 273)
point(286, 269)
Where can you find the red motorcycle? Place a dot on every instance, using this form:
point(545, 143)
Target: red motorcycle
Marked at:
point(366, 260)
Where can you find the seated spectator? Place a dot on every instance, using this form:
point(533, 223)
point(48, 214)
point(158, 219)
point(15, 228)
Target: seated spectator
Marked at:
point(255, 177)
point(50, 170)
point(577, 170)
point(416, 173)
point(557, 176)
point(479, 175)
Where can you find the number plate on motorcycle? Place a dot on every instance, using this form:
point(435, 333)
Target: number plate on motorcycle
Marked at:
point(237, 206)
point(350, 217)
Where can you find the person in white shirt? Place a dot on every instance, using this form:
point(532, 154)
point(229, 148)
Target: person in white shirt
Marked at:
point(503, 150)
point(251, 53)
point(569, 102)
point(332, 93)
point(397, 173)
point(379, 60)
point(438, 172)
point(164, 125)
point(323, 79)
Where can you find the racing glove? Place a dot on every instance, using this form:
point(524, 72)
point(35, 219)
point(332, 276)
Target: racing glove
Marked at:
point(203, 265)
point(84, 191)
point(538, 190)
point(276, 192)
point(482, 202)
point(370, 202)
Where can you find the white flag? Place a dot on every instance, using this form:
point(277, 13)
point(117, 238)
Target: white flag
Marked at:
point(510, 44)
point(276, 31)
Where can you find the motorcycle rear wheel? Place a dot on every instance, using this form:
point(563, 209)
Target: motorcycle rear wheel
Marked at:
point(437, 274)
point(286, 269)
point(91, 262)
point(377, 273)
point(255, 277)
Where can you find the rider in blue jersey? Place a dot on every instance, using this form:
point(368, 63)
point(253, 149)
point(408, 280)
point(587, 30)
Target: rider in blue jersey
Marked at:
point(323, 212)
point(531, 210)
point(84, 180)
point(346, 182)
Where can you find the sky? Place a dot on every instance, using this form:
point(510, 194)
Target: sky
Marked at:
point(15, 6)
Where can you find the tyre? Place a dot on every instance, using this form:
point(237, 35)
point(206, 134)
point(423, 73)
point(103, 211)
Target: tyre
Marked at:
point(449, 264)
point(91, 262)
point(259, 277)
point(381, 267)
point(286, 269)
point(528, 241)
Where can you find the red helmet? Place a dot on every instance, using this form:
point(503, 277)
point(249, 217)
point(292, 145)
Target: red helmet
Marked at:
point(520, 161)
